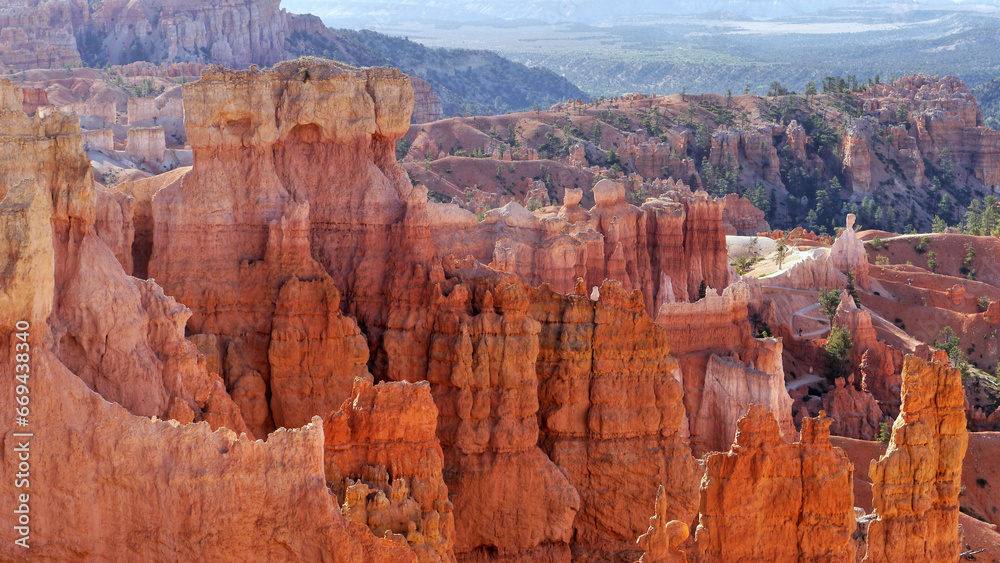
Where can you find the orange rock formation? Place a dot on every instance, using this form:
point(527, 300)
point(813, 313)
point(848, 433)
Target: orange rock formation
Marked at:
point(107, 464)
point(740, 217)
point(769, 500)
point(660, 543)
point(942, 113)
point(385, 465)
point(515, 420)
point(916, 483)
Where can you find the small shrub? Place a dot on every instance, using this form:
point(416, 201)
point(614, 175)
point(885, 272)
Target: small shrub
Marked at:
point(838, 352)
point(829, 300)
point(884, 432)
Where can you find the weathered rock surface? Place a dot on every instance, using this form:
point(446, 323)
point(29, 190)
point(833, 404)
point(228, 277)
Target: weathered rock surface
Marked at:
point(35, 99)
point(426, 105)
point(942, 114)
point(235, 32)
point(97, 460)
point(315, 352)
point(725, 368)
point(749, 153)
point(855, 413)
point(264, 244)
point(659, 543)
point(730, 389)
point(41, 34)
point(916, 484)
point(854, 145)
point(770, 500)
point(115, 223)
point(611, 413)
point(740, 217)
point(147, 144)
point(103, 139)
point(878, 364)
point(849, 255)
point(384, 463)
point(665, 249)
point(123, 337)
point(396, 300)
point(515, 422)
point(653, 158)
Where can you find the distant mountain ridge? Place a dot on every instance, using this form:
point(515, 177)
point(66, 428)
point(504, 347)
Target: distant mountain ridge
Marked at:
point(365, 13)
point(240, 33)
point(466, 81)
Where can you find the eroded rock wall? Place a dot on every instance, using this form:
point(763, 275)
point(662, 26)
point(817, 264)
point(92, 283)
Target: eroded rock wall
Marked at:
point(41, 34)
point(235, 33)
point(916, 484)
point(770, 500)
point(611, 413)
point(96, 459)
point(943, 125)
point(384, 463)
point(122, 336)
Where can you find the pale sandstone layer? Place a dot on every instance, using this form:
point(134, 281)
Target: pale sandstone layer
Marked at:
point(725, 368)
